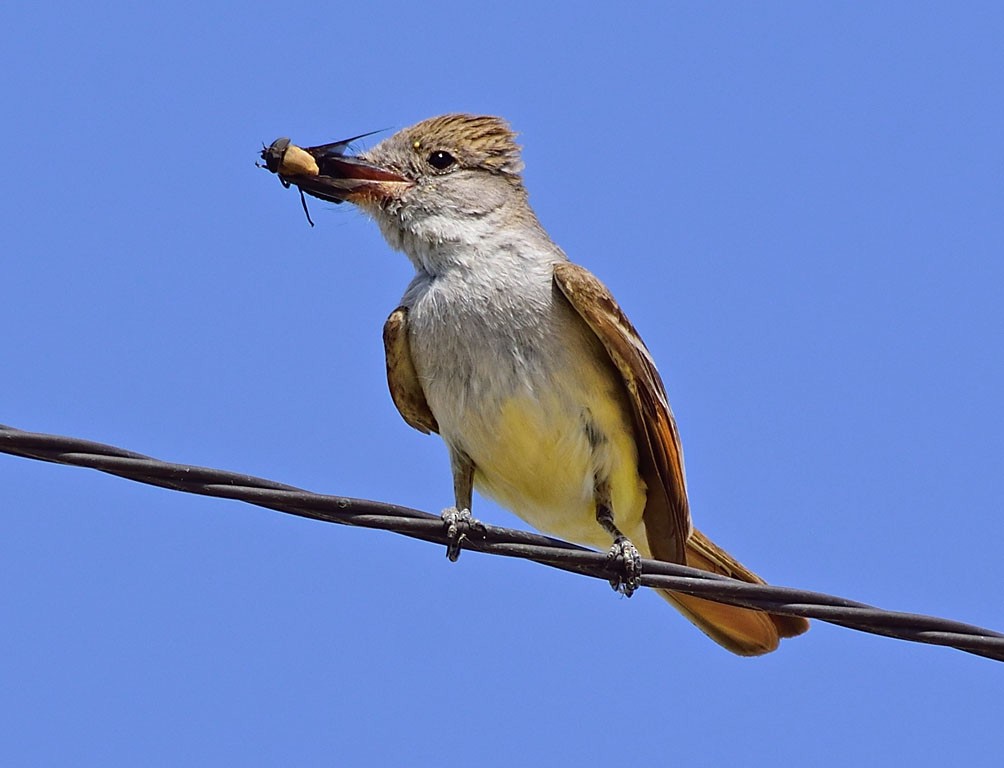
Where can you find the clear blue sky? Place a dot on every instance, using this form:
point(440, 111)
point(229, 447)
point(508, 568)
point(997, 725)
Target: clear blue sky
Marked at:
point(799, 205)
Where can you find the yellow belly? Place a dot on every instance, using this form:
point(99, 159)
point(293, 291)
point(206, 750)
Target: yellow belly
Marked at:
point(537, 459)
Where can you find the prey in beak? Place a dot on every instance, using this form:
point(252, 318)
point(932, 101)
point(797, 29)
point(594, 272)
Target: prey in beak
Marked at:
point(327, 173)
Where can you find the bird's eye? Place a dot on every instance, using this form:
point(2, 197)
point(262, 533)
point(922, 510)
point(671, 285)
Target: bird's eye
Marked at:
point(441, 160)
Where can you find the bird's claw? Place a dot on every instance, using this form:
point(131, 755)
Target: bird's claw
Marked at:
point(459, 524)
point(625, 557)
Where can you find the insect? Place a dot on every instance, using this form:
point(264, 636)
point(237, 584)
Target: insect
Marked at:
point(315, 171)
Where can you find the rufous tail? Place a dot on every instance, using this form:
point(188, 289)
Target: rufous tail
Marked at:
point(740, 630)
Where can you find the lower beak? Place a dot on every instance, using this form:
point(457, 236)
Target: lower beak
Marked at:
point(324, 172)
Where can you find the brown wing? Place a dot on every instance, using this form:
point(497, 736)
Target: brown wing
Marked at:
point(660, 456)
point(402, 378)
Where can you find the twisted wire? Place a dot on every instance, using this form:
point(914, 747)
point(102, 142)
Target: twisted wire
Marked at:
point(507, 542)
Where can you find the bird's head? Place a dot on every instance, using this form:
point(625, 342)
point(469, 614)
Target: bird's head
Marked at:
point(452, 179)
point(452, 161)
point(460, 182)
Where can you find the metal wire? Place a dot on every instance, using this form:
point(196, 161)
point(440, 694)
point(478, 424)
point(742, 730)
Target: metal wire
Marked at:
point(498, 541)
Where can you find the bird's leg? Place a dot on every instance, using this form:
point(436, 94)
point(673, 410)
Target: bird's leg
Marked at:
point(623, 553)
point(458, 519)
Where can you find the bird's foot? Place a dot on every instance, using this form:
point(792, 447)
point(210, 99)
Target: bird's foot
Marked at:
point(625, 557)
point(459, 525)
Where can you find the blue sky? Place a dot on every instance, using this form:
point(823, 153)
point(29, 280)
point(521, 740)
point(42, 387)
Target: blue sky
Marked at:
point(800, 207)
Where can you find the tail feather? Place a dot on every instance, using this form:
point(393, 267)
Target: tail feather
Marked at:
point(741, 630)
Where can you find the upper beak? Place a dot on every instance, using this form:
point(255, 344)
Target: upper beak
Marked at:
point(326, 173)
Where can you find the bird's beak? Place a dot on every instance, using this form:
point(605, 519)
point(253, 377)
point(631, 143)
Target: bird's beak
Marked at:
point(326, 173)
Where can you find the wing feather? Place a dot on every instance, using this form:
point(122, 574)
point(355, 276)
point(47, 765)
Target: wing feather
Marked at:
point(402, 378)
point(660, 455)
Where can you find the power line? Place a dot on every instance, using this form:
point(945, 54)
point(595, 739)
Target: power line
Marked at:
point(365, 513)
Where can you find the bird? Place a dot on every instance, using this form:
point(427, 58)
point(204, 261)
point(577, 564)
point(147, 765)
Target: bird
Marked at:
point(522, 361)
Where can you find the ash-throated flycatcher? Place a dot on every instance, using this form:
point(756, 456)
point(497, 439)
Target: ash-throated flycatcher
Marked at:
point(544, 393)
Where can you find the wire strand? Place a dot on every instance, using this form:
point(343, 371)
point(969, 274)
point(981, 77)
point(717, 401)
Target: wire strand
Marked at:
point(507, 542)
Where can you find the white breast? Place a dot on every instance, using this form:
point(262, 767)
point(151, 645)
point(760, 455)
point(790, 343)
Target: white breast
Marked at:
point(518, 382)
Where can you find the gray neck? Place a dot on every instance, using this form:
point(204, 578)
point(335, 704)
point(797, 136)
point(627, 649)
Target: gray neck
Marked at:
point(441, 242)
